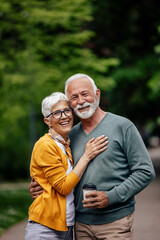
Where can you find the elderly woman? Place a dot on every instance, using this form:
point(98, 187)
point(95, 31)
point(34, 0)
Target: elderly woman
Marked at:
point(51, 215)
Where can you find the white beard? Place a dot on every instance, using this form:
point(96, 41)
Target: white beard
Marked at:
point(86, 114)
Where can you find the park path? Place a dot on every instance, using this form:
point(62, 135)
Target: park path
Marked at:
point(16, 232)
point(147, 215)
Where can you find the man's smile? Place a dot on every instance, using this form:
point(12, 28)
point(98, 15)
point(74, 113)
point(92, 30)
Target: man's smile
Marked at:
point(83, 109)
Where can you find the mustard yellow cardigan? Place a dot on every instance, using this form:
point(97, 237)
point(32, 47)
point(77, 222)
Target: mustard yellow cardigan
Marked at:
point(48, 167)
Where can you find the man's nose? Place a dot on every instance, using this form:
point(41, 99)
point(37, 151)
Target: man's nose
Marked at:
point(80, 100)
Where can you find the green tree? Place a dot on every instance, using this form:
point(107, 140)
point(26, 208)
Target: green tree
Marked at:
point(42, 44)
point(128, 30)
point(154, 86)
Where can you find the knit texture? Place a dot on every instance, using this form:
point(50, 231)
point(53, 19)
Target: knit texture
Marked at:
point(48, 167)
point(122, 170)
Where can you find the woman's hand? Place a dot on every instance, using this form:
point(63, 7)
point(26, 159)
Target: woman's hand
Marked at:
point(95, 147)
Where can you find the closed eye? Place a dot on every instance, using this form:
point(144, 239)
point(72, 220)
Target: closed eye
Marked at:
point(85, 94)
point(73, 98)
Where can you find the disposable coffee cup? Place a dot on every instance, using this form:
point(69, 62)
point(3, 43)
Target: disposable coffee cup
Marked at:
point(88, 188)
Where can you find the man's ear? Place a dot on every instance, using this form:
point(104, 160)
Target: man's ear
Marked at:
point(98, 94)
point(47, 121)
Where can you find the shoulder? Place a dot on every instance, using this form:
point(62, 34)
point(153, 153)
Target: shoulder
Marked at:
point(119, 120)
point(45, 142)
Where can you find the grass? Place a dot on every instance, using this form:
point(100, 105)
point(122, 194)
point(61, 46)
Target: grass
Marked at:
point(15, 200)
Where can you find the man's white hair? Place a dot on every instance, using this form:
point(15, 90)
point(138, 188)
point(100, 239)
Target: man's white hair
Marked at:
point(77, 76)
point(49, 101)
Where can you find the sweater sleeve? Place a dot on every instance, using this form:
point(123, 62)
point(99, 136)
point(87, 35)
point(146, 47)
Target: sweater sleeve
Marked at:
point(49, 160)
point(140, 167)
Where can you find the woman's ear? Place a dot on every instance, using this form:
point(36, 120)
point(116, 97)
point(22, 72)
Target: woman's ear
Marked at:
point(47, 121)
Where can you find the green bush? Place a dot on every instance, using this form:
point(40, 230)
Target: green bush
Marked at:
point(14, 206)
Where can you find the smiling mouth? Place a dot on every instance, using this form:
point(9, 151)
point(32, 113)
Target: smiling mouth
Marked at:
point(64, 123)
point(83, 109)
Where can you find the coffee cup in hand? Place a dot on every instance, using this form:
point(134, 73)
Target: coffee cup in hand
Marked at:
point(88, 188)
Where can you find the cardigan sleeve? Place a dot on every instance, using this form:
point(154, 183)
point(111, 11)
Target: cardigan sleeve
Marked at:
point(49, 160)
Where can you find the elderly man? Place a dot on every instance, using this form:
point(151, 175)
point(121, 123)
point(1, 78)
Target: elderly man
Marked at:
point(119, 173)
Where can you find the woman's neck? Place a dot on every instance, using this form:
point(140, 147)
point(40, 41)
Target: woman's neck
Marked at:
point(57, 135)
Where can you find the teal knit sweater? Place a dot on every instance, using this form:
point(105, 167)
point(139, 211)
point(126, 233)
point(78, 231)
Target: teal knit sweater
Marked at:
point(122, 170)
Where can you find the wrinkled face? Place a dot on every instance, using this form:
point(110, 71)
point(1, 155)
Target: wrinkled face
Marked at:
point(62, 125)
point(82, 97)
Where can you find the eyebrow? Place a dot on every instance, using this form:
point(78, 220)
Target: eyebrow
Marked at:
point(84, 91)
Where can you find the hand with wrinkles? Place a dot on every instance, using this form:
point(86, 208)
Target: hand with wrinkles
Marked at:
point(96, 199)
point(35, 189)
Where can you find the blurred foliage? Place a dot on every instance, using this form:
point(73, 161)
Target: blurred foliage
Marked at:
point(14, 206)
point(154, 82)
point(130, 31)
point(131, 95)
point(44, 42)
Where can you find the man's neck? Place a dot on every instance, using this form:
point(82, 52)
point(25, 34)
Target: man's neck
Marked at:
point(90, 123)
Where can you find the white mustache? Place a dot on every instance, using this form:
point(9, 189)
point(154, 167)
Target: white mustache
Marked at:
point(82, 106)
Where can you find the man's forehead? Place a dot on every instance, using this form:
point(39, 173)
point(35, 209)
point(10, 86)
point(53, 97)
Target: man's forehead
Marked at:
point(80, 83)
